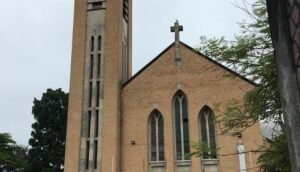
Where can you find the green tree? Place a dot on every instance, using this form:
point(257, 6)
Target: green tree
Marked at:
point(12, 156)
point(276, 157)
point(49, 132)
point(250, 54)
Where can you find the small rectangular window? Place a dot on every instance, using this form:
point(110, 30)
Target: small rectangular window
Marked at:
point(91, 66)
point(96, 123)
point(95, 153)
point(89, 123)
point(97, 5)
point(98, 93)
point(90, 94)
point(99, 66)
point(87, 154)
point(92, 44)
point(99, 43)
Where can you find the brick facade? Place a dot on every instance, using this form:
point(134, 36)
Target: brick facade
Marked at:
point(204, 83)
point(125, 108)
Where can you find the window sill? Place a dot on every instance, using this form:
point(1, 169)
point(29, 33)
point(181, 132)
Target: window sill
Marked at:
point(183, 163)
point(210, 161)
point(157, 163)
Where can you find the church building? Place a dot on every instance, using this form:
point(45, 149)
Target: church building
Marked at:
point(150, 121)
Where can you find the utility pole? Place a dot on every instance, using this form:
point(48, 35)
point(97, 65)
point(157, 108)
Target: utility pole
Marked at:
point(284, 18)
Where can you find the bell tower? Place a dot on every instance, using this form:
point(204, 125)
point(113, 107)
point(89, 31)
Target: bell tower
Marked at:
point(101, 62)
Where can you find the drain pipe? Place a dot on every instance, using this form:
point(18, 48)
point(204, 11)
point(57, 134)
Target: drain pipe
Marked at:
point(241, 152)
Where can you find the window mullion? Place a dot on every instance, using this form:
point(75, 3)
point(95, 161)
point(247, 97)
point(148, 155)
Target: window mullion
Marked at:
point(206, 115)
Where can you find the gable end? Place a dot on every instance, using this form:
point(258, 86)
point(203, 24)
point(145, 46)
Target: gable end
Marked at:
point(198, 53)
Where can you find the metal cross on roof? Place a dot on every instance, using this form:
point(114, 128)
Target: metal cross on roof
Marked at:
point(177, 28)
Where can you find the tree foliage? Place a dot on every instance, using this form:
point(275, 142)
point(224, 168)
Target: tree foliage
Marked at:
point(48, 132)
point(251, 54)
point(203, 150)
point(12, 156)
point(276, 157)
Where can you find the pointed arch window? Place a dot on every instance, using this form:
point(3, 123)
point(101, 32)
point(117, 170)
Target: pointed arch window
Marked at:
point(157, 152)
point(208, 135)
point(181, 127)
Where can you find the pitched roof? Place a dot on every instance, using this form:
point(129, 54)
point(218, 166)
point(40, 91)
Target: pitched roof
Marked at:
point(195, 51)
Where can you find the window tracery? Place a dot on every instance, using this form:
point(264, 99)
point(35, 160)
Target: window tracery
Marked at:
point(181, 127)
point(156, 137)
point(208, 137)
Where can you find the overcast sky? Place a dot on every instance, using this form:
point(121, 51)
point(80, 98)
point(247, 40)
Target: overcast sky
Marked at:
point(35, 45)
